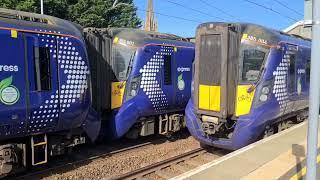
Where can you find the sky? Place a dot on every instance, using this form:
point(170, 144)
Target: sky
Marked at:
point(181, 17)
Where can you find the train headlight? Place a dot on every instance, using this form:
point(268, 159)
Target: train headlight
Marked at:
point(263, 98)
point(133, 88)
point(133, 93)
point(264, 94)
point(192, 86)
point(134, 85)
point(265, 90)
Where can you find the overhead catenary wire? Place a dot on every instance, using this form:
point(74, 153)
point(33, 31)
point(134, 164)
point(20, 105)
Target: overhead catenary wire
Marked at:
point(195, 10)
point(270, 9)
point(220, 10)
point(170, 16)
point(291, 9)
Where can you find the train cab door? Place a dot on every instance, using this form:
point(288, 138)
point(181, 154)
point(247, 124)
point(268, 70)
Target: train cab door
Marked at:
point(291, 56)
point(216, 72)
point(168, 85)
point(182, 76)
point(12, 84)
point(304, 69)
point(302, 81)
point(43, 82)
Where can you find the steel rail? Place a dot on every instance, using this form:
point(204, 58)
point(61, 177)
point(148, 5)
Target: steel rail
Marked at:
point(139, 173)
point(78, 162)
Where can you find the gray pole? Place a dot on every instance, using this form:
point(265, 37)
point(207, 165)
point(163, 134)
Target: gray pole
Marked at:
point(41, 2)
point(314, 95)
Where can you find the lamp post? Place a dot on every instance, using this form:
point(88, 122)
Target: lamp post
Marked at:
point(314, 95)
point(41, 2)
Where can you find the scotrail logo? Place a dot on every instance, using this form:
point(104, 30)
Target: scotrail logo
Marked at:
point(9, 68)
point(183, 69)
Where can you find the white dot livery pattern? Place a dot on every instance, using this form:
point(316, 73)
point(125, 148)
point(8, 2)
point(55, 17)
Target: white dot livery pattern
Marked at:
point(76, 72)
point(280, 89)
point(149, 83)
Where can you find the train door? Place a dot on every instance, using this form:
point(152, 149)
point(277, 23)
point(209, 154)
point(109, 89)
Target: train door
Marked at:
point(307, 62)
point(12, 84)
point(168, 86)
point(216, 72)
point(43, 82)
point(182, 76)
point(302, 80)
point(291, 56)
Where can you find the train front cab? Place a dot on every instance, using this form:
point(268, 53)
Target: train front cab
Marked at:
point(240, 84)
point(152, 93)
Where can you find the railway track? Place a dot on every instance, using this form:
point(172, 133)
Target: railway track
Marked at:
point(53, 168)
point(160, 170)
point(174, 166)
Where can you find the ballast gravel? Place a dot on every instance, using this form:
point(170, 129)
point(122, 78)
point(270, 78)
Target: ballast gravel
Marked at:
point(115, 165)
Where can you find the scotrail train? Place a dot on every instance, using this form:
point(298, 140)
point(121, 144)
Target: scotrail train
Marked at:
point(248, 81)
point(149, 79)
point(53, 92)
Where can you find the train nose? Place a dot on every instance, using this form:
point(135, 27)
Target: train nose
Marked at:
point(125, 119)
point(120, 122)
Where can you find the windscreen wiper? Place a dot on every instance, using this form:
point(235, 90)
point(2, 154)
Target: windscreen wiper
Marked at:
point(255, 84)
point(130, 65)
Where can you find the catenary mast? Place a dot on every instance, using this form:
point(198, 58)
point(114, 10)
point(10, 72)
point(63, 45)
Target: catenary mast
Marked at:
point(150, 23)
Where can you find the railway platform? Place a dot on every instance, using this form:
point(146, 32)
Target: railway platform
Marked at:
point(282, 156)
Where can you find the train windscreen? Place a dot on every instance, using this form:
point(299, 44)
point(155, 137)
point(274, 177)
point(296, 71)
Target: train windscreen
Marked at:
point(122, 57)
point(251, 63)
point(210, 60)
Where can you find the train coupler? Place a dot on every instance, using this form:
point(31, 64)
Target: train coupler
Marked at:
point(217, 127)
point(171, 124)
point(210, 125)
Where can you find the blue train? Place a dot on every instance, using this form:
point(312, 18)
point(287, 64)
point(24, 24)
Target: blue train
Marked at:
point(59, 85)
point(149, 80)
point(44, 89)
point(249, 82)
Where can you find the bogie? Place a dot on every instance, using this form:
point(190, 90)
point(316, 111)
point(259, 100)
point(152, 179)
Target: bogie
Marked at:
point(166, 125)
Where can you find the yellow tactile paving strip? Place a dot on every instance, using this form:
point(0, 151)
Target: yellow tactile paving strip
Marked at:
point(276, 168)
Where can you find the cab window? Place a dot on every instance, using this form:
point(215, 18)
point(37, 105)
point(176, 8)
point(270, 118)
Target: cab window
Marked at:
point(251, 63)
point(42, 68)
point(122, 59)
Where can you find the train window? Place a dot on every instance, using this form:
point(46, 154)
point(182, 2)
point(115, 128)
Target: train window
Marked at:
point(292, 73)
point(210, 59)
point(308, 69)
point(167, 70)
point(122, 57)
point(42, 68)
point(251, 66)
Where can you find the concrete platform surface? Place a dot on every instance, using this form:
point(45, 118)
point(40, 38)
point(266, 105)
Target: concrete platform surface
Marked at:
point(281, 156)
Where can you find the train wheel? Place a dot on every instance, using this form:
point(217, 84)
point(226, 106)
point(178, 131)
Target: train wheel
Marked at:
point(269, 131)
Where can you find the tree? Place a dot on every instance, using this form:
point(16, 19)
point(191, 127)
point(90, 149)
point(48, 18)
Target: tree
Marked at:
point(26, 5)
point(57, 8)
point(125, 15)
point(93, 13)
point(103, 13)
